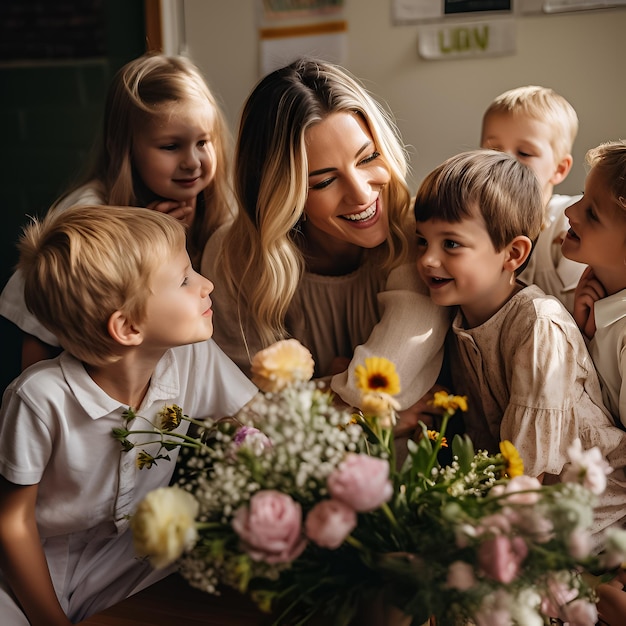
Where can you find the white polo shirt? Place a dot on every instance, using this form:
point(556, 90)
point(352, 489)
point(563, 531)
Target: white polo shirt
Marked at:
point(608, 351)
point(56, 430)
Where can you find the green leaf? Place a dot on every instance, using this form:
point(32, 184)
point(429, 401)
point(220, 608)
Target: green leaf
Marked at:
point(463, 448)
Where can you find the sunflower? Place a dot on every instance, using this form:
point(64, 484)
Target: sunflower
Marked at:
point(378, 374)
point(514, 463)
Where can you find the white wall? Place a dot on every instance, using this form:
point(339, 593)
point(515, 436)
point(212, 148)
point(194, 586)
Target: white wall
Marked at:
point(439, 104)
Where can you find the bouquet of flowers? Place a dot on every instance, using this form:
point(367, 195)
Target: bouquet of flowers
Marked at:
point(303, 505)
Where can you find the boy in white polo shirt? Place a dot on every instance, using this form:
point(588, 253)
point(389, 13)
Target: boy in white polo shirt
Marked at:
point(116, 286)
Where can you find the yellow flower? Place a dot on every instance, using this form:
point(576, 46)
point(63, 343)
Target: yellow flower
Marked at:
point(380, 405)
point(433, 434)
point(514, 463)
point(171, 417)
point(144, 460)
point(164, 525)
point(283, 363)
point(449, 402)
point(378, 374)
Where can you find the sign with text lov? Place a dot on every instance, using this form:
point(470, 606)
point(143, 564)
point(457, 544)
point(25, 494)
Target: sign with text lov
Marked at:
point(466, 39)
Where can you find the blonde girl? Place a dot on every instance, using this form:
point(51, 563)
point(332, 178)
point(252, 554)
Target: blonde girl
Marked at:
point(164, 146)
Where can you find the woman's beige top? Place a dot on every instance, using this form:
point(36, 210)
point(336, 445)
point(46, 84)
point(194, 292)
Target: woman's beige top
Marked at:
point(370, 312)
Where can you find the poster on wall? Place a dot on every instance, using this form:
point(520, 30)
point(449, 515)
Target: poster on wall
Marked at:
point(408, 11)
point(567, 6)
point(292, 28)
point(415, 11)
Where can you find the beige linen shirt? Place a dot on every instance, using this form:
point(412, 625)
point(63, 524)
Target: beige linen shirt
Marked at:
point(529, 379)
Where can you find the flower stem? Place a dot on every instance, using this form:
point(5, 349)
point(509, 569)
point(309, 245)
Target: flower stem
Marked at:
point(442, 431)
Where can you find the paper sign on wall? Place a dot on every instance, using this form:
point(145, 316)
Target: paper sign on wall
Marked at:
point(466, 39)
point(292, 28)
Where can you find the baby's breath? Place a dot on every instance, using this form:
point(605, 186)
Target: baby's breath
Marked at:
point(432, 543)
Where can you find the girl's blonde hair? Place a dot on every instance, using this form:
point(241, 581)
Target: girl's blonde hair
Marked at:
point(271, 184)
point(501, 188)
point(136, 92)
point(83, 264)
point(610, 158)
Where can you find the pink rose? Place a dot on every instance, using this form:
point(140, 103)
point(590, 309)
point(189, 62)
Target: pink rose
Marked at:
point(587, 467)
point(252, 439)
point(362, 482)
point(329, 522)
point(270, 527)
point(501, 557)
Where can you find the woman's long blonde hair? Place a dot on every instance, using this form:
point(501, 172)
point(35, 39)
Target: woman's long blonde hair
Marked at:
point(136, 90)
point(271, 184)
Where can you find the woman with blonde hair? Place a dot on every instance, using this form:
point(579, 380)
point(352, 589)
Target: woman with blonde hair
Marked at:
point(322, 247)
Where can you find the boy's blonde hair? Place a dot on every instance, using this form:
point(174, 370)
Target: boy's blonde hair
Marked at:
point(610, 159)
point(83, 264)
point(505, 191)
point(545, 105)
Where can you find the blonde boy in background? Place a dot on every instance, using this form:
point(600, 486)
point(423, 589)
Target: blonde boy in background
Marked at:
point(538, 127)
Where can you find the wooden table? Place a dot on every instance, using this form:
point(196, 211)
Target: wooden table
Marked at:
point(172, 602)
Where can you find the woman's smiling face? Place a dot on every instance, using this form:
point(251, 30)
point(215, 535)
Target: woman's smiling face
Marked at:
point(346, 176)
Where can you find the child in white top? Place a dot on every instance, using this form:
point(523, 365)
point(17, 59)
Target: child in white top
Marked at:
point(597, 237)
point(116, 286)
point(515, 352)
point(164, 145)
point(538, 127)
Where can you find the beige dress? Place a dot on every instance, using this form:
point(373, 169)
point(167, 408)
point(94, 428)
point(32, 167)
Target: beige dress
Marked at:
point(529, 379)
point(370, 312)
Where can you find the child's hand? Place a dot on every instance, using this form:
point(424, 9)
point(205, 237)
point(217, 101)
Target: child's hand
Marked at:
point(611, 604)
point(179, 210)
point(588, 291)
point(421, 411)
